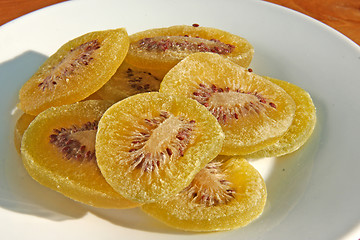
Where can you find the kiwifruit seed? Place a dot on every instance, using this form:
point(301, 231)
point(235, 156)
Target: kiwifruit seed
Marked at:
point(75, 58)
point(142, 81)
point(183, 44)
point(209, 187)
point(227, 103)
point(162, 139)
point(76, 142)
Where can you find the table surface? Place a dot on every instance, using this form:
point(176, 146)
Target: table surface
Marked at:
point(342, 15)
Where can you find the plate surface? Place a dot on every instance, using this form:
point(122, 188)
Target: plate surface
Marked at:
point(313, 193)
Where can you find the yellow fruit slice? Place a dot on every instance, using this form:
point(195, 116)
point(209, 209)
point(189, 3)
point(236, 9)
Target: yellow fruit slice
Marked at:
point(301, 128)
point(58, 151)
point(78, 69)
point(162, 48)
point(252, 111)
point(225, 195)
point(150, 146)
point(130, 80)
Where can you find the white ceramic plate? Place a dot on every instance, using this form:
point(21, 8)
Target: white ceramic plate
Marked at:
point(313, 194)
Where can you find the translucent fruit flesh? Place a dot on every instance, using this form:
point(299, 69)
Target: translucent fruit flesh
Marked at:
point(130, 80)
point(21, 125)
point(252, 111)
point(78, 69)
point(162, 48)
point(58, 151)
point(226, 194)
point(301, 128)
point(149, 146)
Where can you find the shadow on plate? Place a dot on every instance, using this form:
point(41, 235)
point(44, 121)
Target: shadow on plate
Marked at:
point(18, 191)
point(135, 219)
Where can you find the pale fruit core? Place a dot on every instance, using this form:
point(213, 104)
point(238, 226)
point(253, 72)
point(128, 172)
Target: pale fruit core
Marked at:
point(165, 139)
point(209, 187)
point(231, 99)
point(183, 44)
point(75, 58)
point(227, 104)
point(86, 137)
point(76, 142)
point(163, 134)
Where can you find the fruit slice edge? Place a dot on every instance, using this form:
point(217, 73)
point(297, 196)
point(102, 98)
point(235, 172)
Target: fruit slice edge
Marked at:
point(301, 128)
point(20, 127)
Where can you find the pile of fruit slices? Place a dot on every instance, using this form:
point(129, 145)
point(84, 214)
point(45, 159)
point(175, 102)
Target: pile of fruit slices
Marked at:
point(164, 120)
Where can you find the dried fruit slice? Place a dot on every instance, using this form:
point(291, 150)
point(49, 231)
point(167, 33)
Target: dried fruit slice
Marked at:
point(162, 48)
point(58, 151)
point(130, 80)
point(301, 128)
point(252, 111)
point(21, 125)
point(94, 96)
point(78, 69)
point(149, 146)
point(226, 194)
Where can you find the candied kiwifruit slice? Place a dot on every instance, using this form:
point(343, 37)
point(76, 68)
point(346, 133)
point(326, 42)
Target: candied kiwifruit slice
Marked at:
point(21, 125)
point(130, 80)
point(226, 194)
point(94, 96)
point(301, 128)
point(252, 111)
point(78, 69)
point(162, 48)
point(58, 151)
point(149, 146)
